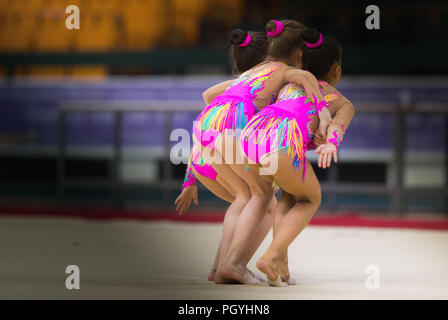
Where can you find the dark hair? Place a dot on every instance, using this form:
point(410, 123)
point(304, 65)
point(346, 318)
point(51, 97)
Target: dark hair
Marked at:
point(319, 60)
point(245, 58)
point(283, 45)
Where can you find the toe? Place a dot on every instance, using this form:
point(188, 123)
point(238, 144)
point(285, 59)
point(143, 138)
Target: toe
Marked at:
point(277, 283)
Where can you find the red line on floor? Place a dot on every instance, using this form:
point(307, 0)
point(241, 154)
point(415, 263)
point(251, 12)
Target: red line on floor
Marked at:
point(321, 219)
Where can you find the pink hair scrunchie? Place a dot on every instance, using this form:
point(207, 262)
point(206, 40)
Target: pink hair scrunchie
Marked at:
point(316, 44)
point(247, 41)
point(279, 26)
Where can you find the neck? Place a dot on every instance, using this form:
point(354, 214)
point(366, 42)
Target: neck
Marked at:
point(327, 80)
point(271, 58)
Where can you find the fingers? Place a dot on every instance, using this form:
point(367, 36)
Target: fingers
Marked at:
point(195, 199)
point(324, 160)
point(182, 210)
point(310, 91)
point(318, 93)
point(317, 136)
point(314, 86)
point(311, 86)
point(181, 205)
point(323, 136)
point(326, 153)
point(319, 161)
point(178, 207)
point(184, 207)
point(320, 96)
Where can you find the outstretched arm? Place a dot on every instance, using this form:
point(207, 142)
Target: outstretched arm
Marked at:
point(217, 90)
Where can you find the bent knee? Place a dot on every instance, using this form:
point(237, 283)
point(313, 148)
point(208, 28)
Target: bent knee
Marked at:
point(243, 193)
point(262, 190)
point(314, 199)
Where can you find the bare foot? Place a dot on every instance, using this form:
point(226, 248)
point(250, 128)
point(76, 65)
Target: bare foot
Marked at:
point(267, 267)
point(282, 262)
point(211, 275)
point(260, 278)
point(235, 274)
point(284, 271)
point(274, 266)
point(277, 283)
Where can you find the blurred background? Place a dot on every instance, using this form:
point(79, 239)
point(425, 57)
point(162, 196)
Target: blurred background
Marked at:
point(86, 115)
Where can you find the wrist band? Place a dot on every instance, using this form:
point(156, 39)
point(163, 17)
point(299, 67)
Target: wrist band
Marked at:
point(335, 140)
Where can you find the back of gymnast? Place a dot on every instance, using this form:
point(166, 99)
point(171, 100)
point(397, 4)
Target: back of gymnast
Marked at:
point(281, 134)
point(267, 78)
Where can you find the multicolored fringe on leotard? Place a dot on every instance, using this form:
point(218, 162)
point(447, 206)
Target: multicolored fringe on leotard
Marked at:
point(233, 109)
point(282, 134)
point(230, 115)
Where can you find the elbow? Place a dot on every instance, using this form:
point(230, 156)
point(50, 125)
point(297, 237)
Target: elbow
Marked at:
point(353, 114)
point(206, 96)
point(351, 109)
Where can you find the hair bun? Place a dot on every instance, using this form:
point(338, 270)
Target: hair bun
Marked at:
point(237, 37)
point(271, 26)
point(310, 35)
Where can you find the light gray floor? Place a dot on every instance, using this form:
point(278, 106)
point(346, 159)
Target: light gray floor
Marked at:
point(160, 260)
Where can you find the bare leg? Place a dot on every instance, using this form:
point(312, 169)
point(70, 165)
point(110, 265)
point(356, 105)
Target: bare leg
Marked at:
point(262, 230)
point(240, 165)
point(308, 199)
point(221, 189)
point(242, 196)
point(248, 223)
point(284, 205)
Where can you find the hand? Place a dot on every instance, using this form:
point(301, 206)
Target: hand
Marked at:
point(183, 201)
point(325, 151)
point(309, 82)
